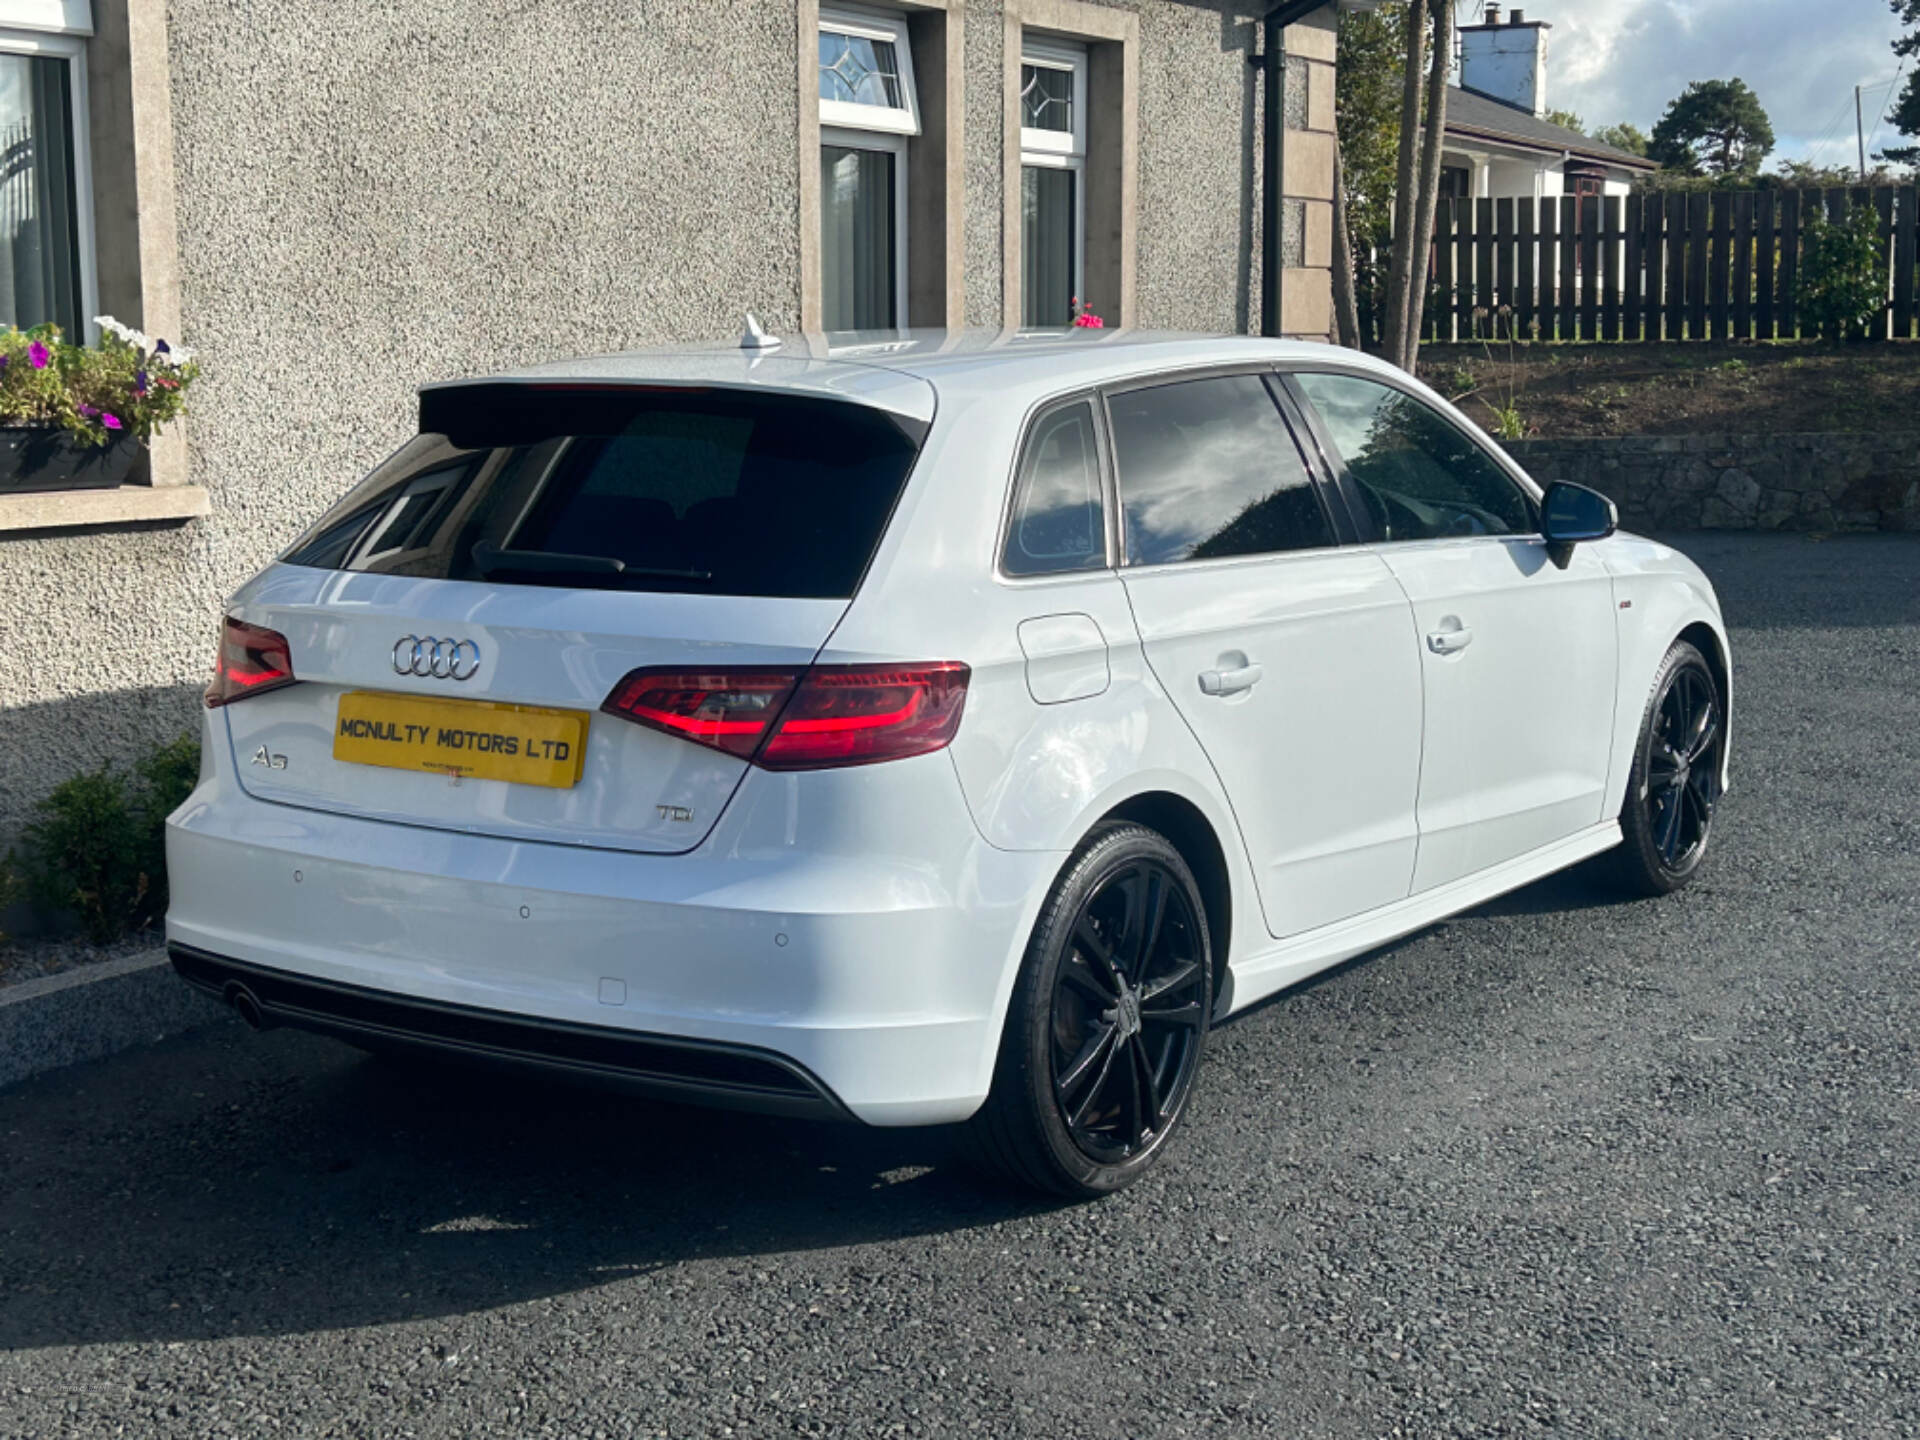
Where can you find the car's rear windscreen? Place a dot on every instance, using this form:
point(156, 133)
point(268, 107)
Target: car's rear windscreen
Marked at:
point(717, 492)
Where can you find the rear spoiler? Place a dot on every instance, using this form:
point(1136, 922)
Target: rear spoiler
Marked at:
point(486, 413)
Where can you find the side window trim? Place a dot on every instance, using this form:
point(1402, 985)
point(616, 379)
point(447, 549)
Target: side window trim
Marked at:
point(1103, 456)
point(1337, 463)
point(1333, 462)
point(1334, 501)
point(1318, 477)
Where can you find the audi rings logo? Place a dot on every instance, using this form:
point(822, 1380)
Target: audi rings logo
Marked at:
point(430, 656)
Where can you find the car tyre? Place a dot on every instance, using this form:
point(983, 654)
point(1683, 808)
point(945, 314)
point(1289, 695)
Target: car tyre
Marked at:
point(1667, 818)
point(1107, 1023)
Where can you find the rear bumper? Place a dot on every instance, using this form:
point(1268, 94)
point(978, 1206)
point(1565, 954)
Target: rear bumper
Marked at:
point(851, 927)
point(735, 1077)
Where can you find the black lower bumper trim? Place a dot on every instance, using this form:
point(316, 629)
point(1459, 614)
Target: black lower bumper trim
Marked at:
point(699, 1072)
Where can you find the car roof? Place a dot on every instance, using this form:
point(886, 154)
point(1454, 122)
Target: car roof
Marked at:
point(910, 371)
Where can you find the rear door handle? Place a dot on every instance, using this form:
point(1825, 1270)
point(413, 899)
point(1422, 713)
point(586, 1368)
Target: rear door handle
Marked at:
point(1229, 682)
point(1449, 642)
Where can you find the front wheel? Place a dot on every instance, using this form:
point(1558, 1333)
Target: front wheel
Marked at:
point(1107, 1022)
point(1667, 820)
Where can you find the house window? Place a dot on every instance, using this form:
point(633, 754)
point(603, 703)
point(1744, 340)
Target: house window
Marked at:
point(46, 221)
point(867, 111)
point(1053, 157)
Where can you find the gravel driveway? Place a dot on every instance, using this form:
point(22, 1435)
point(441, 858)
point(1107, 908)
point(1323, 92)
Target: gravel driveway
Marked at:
point(1561, 1166)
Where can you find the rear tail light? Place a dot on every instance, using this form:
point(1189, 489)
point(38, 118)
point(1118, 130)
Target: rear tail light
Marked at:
point(730, 710)
point(808, 719)
point(252, 659)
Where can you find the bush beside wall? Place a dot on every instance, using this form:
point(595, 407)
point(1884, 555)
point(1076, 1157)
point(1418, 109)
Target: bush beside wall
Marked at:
point(96, 848)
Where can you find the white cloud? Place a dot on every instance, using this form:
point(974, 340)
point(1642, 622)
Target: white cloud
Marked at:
point(1614, 60)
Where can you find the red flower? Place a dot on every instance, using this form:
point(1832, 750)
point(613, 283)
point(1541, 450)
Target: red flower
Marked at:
point(1089, 321)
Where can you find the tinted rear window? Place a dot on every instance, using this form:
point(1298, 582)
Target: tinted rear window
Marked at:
point(705, 492)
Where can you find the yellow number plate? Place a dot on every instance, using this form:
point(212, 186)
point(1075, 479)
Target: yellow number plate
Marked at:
point(473, 739)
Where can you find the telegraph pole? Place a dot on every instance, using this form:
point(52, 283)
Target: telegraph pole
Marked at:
point(1860, 133)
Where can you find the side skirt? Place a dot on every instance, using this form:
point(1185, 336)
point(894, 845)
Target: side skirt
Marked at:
point(1303, 956)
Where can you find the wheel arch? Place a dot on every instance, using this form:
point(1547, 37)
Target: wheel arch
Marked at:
point(1713, 648)
point(1188, 830)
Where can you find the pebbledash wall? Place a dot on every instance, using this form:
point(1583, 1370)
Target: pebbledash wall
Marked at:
point(333, 203)
point(1743, 482)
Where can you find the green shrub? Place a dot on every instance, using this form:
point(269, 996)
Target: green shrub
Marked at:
point(1843, 274)
point(97, 844)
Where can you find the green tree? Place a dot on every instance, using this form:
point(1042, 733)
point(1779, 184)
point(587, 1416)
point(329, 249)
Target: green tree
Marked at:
point(1843, 274)
point(1806, 175)
point(1367, 107)
point(1905, 114)
point(1567, 120)
point(1624, 136)
point(1716, 128)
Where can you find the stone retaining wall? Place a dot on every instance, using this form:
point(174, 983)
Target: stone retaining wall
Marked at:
point(1743, 482)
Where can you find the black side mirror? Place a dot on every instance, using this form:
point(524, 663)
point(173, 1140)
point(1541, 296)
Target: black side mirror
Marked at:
point(1572, 513)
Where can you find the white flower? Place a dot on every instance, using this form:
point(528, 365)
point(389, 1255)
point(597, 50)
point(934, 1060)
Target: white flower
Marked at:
point(124, 333)
point(180, 355)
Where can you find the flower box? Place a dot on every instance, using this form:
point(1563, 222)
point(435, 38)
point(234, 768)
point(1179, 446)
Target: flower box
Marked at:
point(75, 417)
point(38, 457)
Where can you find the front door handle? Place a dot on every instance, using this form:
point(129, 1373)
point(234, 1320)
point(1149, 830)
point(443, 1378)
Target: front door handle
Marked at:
point(1449, 642)
point(1229, 682)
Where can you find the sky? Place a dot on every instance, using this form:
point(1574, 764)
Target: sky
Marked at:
point(1614, 60)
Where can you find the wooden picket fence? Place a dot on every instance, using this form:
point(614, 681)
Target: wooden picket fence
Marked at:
point(1718, 265)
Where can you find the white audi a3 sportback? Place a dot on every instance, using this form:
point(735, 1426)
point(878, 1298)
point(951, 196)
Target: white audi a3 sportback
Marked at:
point(945, 728)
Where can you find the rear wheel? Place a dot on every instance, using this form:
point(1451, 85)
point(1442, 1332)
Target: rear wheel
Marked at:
point(1107, 1023)
point(1667, 820)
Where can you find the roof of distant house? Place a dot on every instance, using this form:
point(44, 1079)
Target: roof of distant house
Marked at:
point(1470, 114)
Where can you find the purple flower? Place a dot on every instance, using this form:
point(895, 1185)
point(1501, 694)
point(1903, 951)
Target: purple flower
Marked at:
point(88, 411)
point(112, 422)
point(39, 355)
point(160, 347)
point(139, 380)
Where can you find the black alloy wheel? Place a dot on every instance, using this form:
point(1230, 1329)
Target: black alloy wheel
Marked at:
point(1682, 776)
point(1674, 788)
point(1128, 1006)
point(1107, 1022)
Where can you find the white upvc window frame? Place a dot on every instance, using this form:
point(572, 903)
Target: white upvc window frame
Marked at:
point(1061, 149)
point(892, 29)
point(896, 146)
point(60, 29)
point(883, 129)
point(1047, 53)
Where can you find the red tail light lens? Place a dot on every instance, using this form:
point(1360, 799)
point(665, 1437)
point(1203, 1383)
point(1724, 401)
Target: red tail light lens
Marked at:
point(730, 710)
point(857, 714)
point(802, 719)
point(252, 659)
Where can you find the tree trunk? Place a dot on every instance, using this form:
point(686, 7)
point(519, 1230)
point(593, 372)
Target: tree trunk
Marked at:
point(1420, 245)
point(1404, 181)
point(1346, 300)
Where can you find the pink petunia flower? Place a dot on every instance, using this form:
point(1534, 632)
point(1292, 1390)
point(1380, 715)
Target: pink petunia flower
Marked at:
point(39, 355)
point(112, 422)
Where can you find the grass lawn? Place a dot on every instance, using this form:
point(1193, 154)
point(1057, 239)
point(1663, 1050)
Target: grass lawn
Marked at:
point(1681, 389)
